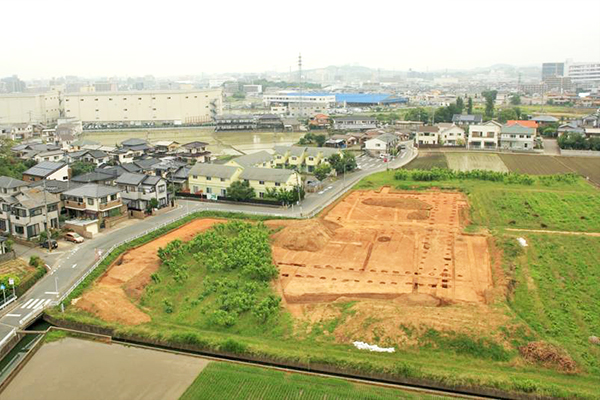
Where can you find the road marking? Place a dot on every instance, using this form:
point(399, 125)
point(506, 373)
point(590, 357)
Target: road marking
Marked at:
point(28, 302)
point(45, 303)
point(51, 293)
point(34, 304)
point(74, 265)
point(13, 315)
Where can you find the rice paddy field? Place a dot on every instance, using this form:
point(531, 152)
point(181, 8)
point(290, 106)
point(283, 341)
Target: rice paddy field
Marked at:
point(236, 381)
point(532, 164)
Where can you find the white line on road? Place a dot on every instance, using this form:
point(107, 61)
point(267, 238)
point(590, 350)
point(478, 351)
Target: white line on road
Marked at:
point(51, 292)
point(28, 302)
point(74, 265)
point(13, 315)
point(34, 304)
point(45, 303)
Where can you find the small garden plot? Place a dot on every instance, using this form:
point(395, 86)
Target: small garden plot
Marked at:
point(471, 161)
point(534, 164)
point(428, 161)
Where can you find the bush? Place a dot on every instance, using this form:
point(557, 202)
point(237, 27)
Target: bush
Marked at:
point(35, 261)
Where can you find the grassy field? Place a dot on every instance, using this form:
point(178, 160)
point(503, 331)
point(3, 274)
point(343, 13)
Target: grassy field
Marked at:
point(559, 292)
point(234, 381)
point(585, 166)
point(183, 311)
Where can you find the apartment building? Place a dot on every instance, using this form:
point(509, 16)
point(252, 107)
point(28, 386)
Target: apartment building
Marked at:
point(137, 107)
point(354, 123)
point(212, 178)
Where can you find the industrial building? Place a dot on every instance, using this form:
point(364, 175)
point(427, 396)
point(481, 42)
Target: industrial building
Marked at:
point(137, 107)
point(19, 108)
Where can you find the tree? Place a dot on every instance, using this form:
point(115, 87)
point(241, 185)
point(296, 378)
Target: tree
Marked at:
point(240, 191)
point(417, 114)
point(153, 203)
point(490, 98)
point(285, 196)
point(507, 114)
point(470, 106)
point(343, 164)
point(80, 168)
point(515, 100)
point(320, 140)
point(322, 171)
point(460, 105)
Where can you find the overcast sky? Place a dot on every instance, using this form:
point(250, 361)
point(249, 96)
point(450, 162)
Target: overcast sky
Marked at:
point(43, 39)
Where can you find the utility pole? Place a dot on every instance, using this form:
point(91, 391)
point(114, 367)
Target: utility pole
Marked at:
point(46, 214)
point(300, 84)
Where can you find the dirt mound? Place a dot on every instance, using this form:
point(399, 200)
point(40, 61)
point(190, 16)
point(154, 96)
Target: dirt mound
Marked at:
point(403, 203)
point(418, 299)
point(111, 305)
point(294, 237)
point(548, 355)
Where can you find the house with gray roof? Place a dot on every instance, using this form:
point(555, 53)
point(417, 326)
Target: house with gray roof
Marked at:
point(517, 137)
point(94, 177)
point(262, 159)
point(10, 186)
point(467, 119)
point(29, 212)
point(94, 201)
point(212, 179)
point(264, 180)
point(48, 170)
point(96, 157)
point(138, 190)
point(194, 151)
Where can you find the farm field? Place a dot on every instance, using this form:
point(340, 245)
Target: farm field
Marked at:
point(449, 318)
point(428, 160)
point(534, 164)
point(471, 161)
point(231, 381)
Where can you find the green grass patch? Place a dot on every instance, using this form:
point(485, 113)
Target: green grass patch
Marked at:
point(55, 335)
point(235, 381)
point(428, 160)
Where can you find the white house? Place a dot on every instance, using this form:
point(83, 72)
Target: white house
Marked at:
point(381, 144)
point(484, 136)
point(49, 170)
point(428, 135)
point(451, 135)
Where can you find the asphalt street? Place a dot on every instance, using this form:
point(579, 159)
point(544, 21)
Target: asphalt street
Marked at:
point(71, 262)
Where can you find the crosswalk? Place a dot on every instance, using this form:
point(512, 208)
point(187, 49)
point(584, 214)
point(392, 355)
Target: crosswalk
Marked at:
point(33, 304)
point(365, 162)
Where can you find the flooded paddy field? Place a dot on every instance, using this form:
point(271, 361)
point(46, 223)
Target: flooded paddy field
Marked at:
point(82, 369)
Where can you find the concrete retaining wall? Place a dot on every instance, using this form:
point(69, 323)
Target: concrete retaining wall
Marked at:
point(579, 153)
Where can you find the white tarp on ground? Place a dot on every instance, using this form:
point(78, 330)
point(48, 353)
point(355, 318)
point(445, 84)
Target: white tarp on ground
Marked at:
point(522, 241)
point(373, 347)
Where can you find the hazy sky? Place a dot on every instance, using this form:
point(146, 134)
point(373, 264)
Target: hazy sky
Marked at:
point(42, 39)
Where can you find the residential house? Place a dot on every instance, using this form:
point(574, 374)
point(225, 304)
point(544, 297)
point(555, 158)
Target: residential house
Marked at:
point(319, 121)
point(315, 156)
point(28, 212)
point(592, 132)
point(139, 147)
point(165, 146)
point(545, 120)
point(484, 136)
point(291, 124)
point(265, 179)
point(289, 156)
point(354, 123)
point(48, 170)
point(337, 142)
point(523, 122)
point(427, 135)
point(467, 119)
point(96, 157)
point(27, 151)
point(262, 159)
point(451, 135)
point(93, 201)
point(167, 166)
point(22, 131)
point(517, 137)
point(81, 144)
point(123, 155)
point(10, 186)
point(99, 177)
point(179, 179)
point(146, 165)
point(194, 151)
point(570, 127)
point(382, 144)
point(138, 190)
point(212, 179)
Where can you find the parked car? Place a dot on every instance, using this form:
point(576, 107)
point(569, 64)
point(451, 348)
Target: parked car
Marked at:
point(74, 237)
point(49, 244)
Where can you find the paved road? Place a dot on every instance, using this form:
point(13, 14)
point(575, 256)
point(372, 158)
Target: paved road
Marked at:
point(71, 264)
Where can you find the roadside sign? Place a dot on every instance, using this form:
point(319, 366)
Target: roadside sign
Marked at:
point(2, 287)
point(11, 281)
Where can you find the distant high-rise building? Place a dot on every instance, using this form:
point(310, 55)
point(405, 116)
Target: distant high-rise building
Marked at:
point(583, 71)
point(13, 84)
point(552, 69)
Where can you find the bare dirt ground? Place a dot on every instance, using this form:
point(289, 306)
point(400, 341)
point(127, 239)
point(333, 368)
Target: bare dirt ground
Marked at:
point(399, 260)
point(385, 246)
point(110, 297)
